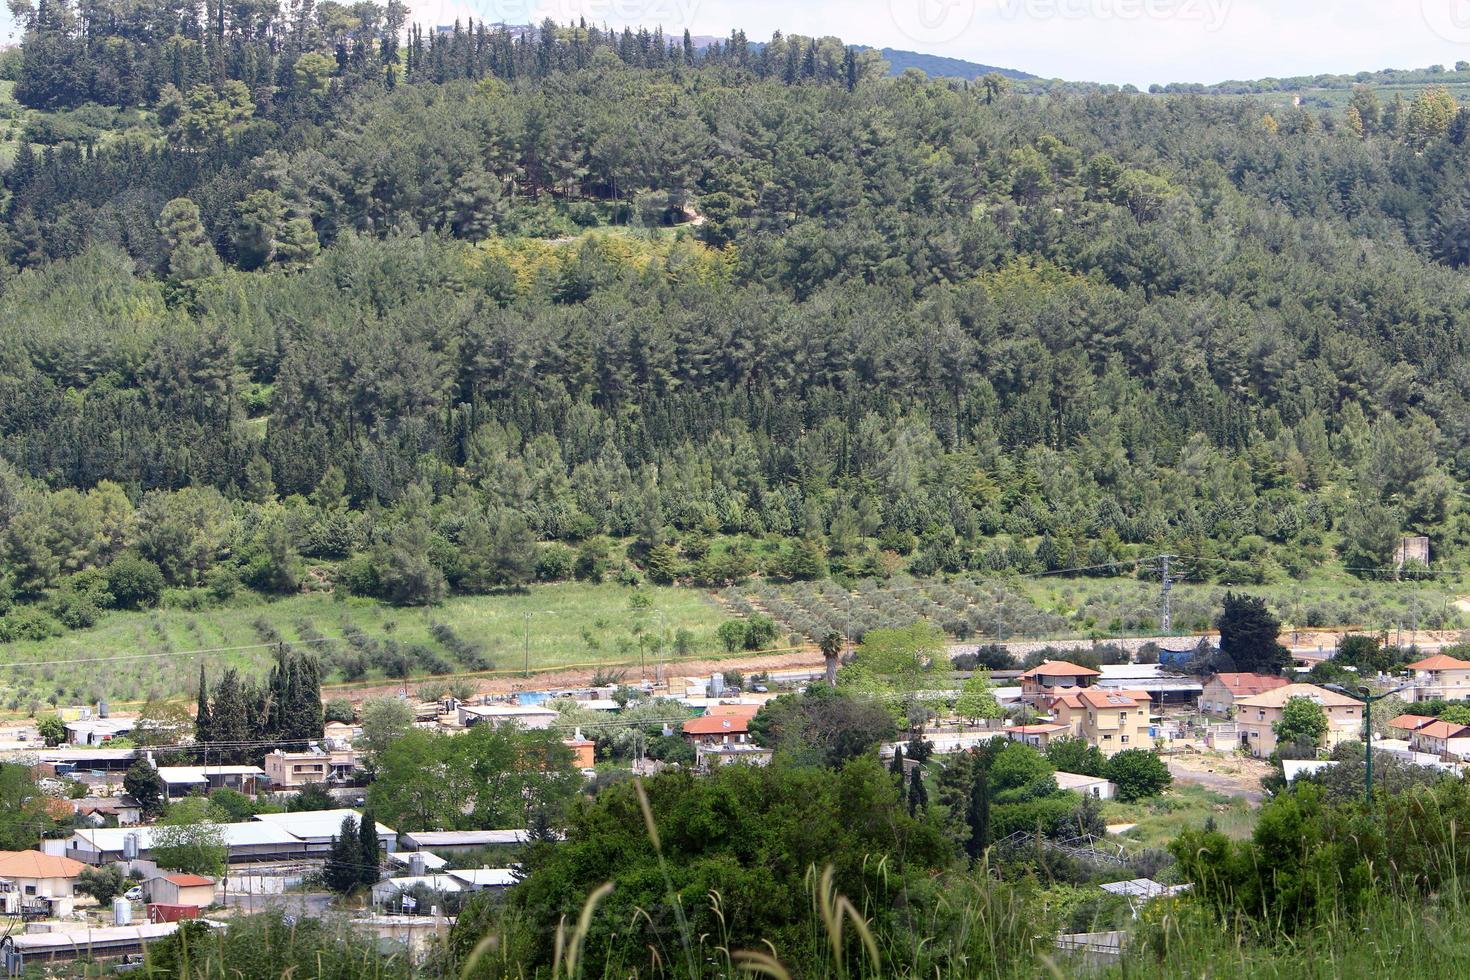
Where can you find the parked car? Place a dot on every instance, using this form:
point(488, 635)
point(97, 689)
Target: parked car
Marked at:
point(134, 894)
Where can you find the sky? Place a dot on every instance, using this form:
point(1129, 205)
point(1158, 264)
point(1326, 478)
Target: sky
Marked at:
point(1138, 41)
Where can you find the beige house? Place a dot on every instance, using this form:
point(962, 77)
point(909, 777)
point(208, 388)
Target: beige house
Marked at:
point(1223, 690)
point(1112, 720)
point(1037, 736)
point(1445, 739)
point(1441, 677)
point(1049, 675)
point(32, 883)
point(1255, 717)
point(181, 889)
point(293, 770)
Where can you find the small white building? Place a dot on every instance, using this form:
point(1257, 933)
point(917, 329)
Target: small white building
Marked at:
point(1094, 786)
point(97, 731)
point(316, 828)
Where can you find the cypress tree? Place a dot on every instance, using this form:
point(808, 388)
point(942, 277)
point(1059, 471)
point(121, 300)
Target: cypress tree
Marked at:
point(896, 767)
point(203, 720)
point(342, 871)
point(368, 852)
point(979, 816)
point(918, 795)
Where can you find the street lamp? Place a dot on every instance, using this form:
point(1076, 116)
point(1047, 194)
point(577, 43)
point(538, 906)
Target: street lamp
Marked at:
point(1368, 698)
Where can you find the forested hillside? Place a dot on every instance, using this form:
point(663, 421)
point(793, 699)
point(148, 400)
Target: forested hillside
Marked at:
point(305, 305)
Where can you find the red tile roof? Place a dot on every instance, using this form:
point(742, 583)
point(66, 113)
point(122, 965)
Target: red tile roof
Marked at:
point(34, 864)
point(717, 725)
point(189, 881)
point(1440, 662)
point(1248, 685)
point(1410, 723)
point(1060, 668)
point(733, 711)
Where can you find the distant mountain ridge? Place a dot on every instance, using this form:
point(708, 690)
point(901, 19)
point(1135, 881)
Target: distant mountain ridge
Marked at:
point(938, 66)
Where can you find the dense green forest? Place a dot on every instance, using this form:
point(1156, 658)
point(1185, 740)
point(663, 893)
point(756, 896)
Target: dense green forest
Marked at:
point(305, 306)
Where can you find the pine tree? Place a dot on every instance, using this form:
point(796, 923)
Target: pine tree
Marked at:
point(918, 795)
point(342, 870)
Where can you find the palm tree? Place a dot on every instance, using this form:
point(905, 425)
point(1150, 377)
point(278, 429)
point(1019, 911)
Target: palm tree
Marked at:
point(831, 647)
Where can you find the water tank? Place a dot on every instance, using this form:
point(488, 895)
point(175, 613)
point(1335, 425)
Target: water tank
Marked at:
point(130, 847)
point(417, 865)
point(716, 685)
point(122, 912)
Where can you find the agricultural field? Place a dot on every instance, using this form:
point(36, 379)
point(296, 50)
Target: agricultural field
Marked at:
point(1049, 607)
point(132, 656)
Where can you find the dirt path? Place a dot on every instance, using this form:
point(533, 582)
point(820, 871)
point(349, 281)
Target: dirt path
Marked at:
point(508, 682)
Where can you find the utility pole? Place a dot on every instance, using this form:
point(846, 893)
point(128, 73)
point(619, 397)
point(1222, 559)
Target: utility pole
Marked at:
point(527, 634)
point(1166, 615)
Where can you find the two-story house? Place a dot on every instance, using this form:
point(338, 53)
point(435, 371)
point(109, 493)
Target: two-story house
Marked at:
point(1223, 690)
point(1112, 720)
point(1441, 677)
point(1049, 675)
point(1256, 717)
point(1445, 739)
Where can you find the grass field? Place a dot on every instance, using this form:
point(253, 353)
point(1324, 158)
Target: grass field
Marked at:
point(130, 656)
point(1183, 806)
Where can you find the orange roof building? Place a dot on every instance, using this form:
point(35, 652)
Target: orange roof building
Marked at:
point(1222, 691)
point(1441, 677)
point(718, 729)
point(33, 865)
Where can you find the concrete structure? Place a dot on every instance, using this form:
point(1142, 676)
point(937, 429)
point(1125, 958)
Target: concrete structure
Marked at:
point(709, 756)
point(481, 879)
point(293, 770)
point(1441, 677)
point(495, 715)
point(1222, 691)
point(316, 828)
point(37, 884)
point(1051, 674)
point(1444, 739)
point(1095, 786)
point(1112, 720)
point(181, 889)
point(1255, 717)
point(181, 781)
point(1415, 549)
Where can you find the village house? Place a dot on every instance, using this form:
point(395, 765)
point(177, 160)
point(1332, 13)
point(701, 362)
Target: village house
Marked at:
point(293, 770)
point(1449, 741)
point(1222, 691)
point(1405, 725)
point(108, 811)
point(710, 756)
point(1037, 736)
point(181, 781)
point(1441, 677)
point(583, 751)
point(1256, 716)
point(181, 889)
point(1048, 675)
point(97, 731)
point(724, 725)
point(36, 884)
point(1094, 786)
point(1112, 720)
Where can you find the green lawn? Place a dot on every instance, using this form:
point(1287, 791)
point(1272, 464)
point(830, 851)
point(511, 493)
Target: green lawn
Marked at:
point(1161, 818)
point(572, 623)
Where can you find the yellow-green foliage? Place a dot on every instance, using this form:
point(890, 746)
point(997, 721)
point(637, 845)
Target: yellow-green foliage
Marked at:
point(535, 261)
